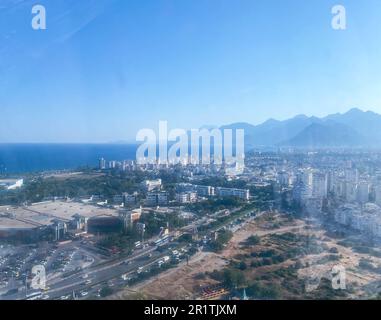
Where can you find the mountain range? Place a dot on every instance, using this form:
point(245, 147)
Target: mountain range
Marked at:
point(355, 128)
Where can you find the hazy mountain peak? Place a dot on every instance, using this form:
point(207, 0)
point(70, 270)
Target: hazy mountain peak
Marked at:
point(300, 117)
point(354, 111)
point(352, 128)
point(271, 121)
point(328, 134)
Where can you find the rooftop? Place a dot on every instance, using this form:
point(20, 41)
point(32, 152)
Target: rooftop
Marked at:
point(44, 213)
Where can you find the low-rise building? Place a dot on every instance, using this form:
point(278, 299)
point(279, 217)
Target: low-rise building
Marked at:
point(186, 197)
point(150, 185)
point(243, 194)
point(156, 199)
point(118, 199)
point(130, 199)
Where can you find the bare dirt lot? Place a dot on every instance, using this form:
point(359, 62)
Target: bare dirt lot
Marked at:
point(290, 252)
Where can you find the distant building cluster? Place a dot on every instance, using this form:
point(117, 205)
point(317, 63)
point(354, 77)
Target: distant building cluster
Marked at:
point(314, 185)
point(188, 167)
point(346, 186)
point(125, 165)
point(365, 218)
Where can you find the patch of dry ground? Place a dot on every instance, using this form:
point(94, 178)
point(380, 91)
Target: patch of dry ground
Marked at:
point(183, 282)
point(186, 281)
point(179, 283)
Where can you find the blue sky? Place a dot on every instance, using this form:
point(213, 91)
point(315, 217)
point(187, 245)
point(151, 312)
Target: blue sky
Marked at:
point(104, 69)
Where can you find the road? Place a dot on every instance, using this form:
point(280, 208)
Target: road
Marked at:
point(98, 274)
point(91, 279)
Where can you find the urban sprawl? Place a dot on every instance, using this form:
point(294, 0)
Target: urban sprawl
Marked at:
point(113, 230)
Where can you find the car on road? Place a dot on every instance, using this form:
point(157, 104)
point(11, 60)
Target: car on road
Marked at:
point(126, 277)
point(84, 293)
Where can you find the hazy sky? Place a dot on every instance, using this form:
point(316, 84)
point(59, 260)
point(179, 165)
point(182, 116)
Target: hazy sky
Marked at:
point(103, 69)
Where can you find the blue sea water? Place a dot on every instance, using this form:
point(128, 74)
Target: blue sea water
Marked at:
point(22, 158)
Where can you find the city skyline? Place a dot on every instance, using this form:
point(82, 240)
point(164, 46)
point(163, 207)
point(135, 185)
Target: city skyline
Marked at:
point(100, 72)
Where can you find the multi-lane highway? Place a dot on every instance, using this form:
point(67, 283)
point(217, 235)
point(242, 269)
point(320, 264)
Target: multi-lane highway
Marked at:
point(89, 281)
point(94, 277)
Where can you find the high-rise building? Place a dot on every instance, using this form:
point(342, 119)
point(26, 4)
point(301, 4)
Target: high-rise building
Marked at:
point(352, 175)
point(319, 185)
point(363, 192)
point(129, 217)
point(102, 164)
point(350, 191)
point(301, 193)
point(377, 192)
point(283, 178)
point(331, 181)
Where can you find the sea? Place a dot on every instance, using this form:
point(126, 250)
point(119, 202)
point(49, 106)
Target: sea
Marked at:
point(29, 158)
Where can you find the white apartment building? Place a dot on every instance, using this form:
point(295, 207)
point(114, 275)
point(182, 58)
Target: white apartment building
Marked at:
point(186, 197)
point(102, 164)
point(150, 185)
point(243, 194)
